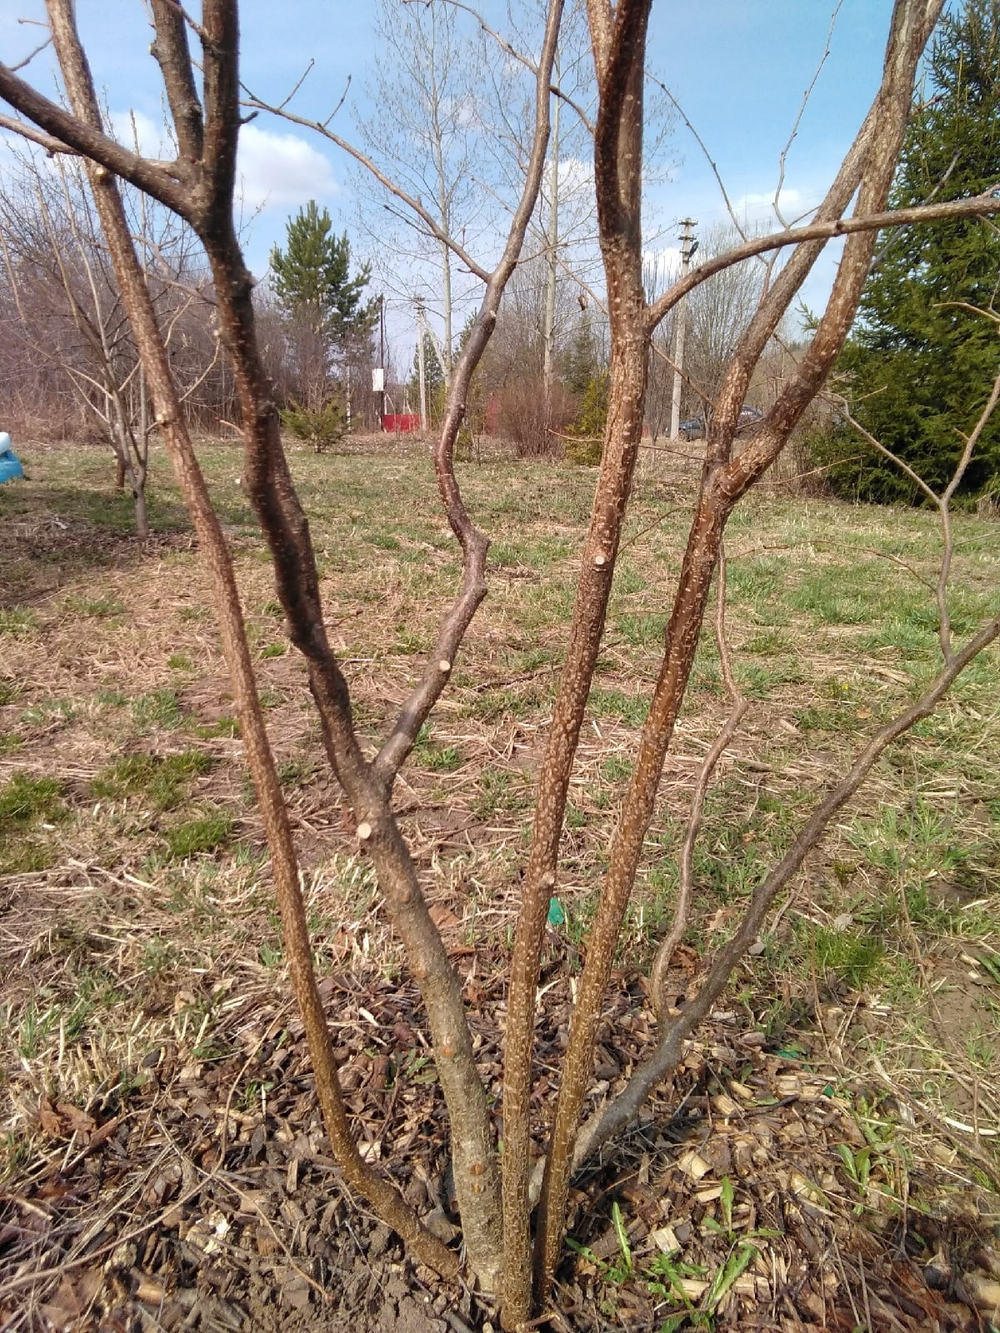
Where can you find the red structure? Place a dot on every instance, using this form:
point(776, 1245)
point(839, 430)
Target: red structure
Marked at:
point(400, 422)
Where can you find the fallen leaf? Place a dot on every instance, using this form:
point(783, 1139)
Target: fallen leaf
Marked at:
point(49, 1121)
point(443, 918)
point(79, 1121)
point(104, 1132)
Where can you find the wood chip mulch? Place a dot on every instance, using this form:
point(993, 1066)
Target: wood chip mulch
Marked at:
point(759, 1192)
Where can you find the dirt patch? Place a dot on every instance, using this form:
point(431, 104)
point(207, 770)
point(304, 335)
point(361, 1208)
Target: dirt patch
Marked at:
point(196, 1190)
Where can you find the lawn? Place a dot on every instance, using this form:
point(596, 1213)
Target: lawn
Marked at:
point(142, 971)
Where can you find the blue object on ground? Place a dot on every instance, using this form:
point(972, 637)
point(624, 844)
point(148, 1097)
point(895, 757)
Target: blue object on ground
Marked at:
point(10, 464)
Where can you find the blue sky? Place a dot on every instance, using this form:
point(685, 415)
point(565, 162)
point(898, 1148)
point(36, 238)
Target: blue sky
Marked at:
point(739, 68)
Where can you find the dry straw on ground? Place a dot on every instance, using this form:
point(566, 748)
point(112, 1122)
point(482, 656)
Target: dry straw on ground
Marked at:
point(832, 1132)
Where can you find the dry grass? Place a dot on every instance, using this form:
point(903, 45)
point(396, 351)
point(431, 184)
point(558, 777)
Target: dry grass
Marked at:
point(116, 943)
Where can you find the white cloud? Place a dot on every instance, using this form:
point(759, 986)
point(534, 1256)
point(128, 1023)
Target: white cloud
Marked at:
point(273, 170)
point(792, 203)
point(575, 174)
point(134, 127)
point(280, 170)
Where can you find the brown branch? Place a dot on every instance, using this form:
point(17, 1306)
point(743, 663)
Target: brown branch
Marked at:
point(941, 502)
point(22, 64)
point(384, 1196)
point(888, 120)
point(170, 50)
point(828, 222)
point(685, 878)
point(272, 494)
point(509, 49)
point(33, 135)
point(161, 180)
point(474, 545)
point(704, 152)
point(793, 134)
point(221, 92)
point(619, 1113)
point(722, 485)
point(949, 546)
point(685, 885)
point(618, 184)
point(903, 466)
point(980, 205)
point(320, 127)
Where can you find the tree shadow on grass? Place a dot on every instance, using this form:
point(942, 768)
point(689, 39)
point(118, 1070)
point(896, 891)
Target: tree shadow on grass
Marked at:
point(53, 533)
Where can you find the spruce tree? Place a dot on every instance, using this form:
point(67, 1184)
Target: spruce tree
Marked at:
point(920, 361)
point(323, 305)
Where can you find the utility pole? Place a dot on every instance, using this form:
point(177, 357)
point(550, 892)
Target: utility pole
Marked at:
point(420, 367)
point(688, 246)
point(381, 359)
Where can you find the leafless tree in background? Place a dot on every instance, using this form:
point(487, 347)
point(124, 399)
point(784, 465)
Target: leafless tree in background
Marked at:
point(426, 135)
point(67, 315)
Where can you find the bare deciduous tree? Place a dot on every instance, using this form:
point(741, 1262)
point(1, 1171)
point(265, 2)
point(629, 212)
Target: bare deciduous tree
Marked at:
point(68, 310)
point(424, 133)
point(510, 1246)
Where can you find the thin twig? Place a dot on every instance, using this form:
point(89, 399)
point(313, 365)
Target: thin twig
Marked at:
point(618, 1113)
point(941, 502)
point(802, 110)
point(685, 885)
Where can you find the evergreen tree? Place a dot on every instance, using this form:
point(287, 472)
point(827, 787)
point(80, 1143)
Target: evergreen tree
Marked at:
point(323, 306)
point(434, 382)
point(919, 363)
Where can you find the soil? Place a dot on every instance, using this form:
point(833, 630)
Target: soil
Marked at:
point(200, 1194)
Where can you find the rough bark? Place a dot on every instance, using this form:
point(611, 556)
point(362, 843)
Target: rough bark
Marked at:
point(199, 187)
point(723, 483)
point(618, 145)
point(383, 1196)
point(270, 489)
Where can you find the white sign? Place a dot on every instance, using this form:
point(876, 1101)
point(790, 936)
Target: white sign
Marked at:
point(378, 380)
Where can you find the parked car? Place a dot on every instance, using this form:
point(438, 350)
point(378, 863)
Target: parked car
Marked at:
point(750, 418)
point(694, 428)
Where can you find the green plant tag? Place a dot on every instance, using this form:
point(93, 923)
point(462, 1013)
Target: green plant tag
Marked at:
point(557, 916)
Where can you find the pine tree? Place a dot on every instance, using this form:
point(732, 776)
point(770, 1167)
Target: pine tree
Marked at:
point(323, 305)
point(434, 383)
point(920, 361)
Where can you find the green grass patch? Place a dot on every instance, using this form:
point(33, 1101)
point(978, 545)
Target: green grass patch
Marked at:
point(500, 791)
point(157, 708)
point(17, 622)
point(293, 773)
point(434, 755)
point(851, 956)
point(27, 800)
point(94, 606)
point(162, 780)
point(631, 709)
point(224, 726)
point(198, 836)
point(27, 805)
